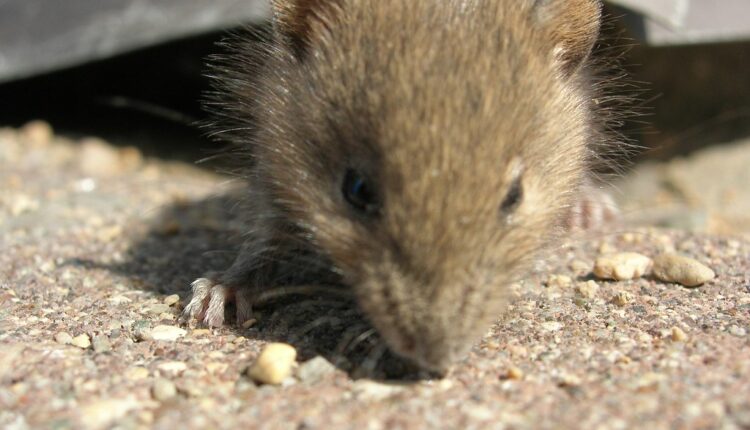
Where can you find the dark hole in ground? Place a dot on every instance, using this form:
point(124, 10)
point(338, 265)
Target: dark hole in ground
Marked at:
point(150, 99)
point(700, 96)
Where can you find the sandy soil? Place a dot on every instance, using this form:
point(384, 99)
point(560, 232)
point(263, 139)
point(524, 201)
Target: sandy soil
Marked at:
point(95, 241)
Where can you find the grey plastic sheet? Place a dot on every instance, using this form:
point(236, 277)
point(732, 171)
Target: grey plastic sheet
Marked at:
point(670, 22)
point(38, 36)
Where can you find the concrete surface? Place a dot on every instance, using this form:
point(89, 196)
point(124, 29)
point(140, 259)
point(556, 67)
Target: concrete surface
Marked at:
point(96, 240)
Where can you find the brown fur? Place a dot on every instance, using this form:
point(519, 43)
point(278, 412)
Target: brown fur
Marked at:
point(442, 104)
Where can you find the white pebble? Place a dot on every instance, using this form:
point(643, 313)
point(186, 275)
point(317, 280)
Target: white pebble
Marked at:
point(102, 414)
point(63, 338)
point(163, 389)
point(173, 367)
point(552, 325)
point(588, 289)
point(101, 344)
point(82, 341)
point(38, 133)
point(315, 370)
point(560, 281)
point(678, 335)
point(136, 373)
point(171, 300)
point(682, 270)
point(365, 389)
point(274, 364)
point(623, 298)
point(167, 333)
point(622, 267)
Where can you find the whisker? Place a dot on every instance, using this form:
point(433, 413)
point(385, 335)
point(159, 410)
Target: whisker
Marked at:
point(348, 337)
point(359, 339)
point(373, 358)
point(307, 290)
point(312, 325)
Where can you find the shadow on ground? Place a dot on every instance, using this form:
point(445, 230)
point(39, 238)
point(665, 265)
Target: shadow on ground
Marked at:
point(189, 239)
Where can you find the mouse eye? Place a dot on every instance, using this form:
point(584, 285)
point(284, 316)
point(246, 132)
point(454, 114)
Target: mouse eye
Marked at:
point(513, 198)
point(360, 193)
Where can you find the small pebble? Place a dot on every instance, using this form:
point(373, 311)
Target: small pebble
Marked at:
point(37, 132)
point(665, 243)
point(217, 355)
point(645, 338)
point(108, 234)
point(514, 373)
point(163, 389)
point(63, 338)
point(678, 335)
point(580, 268)
point(623, 359)
point(103, 414)
point(200, 332)
point(216, 368)
point(157, 308)
point(173, 367)
point(101, 344)
point(119, 300)
point(622, 267)
point(81, 341)
point(99, 158)
point(142, 330)
point(588, 289)
point(136, 373)
point(559, 281)
point(649, 382)
point(606, 248)
point(552, 325)
point(21, 204)
point(167, 333)
point(632, 238)
point(568, 380)
point(518, 351)
point(623, 298)
point(274, 364)
point(172, 300)
point(249, 323)
point(681, 270)
point(315, 370)
point(365, 389)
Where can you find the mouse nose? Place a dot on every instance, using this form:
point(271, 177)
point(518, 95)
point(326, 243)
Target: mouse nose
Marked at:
point(439, 356)
point(432, 352)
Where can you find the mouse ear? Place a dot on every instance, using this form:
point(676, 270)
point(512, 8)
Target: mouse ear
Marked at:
point(574, 28)
point(296, 21)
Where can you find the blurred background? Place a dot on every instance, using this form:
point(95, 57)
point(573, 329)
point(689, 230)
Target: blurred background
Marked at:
point(133, 73)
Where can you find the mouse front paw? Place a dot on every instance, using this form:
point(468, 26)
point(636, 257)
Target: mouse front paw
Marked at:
point(210, 299)
point(594, 208)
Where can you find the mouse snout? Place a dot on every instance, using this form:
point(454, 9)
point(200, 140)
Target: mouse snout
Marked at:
point(432, 321)
point(429, 349)
point(433, 341)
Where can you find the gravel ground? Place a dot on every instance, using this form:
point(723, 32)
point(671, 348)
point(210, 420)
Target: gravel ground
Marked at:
point(96, 241)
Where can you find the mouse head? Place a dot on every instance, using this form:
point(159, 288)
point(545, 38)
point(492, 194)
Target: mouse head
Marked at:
point(428, 148)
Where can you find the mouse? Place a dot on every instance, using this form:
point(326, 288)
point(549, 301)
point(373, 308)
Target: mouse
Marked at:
point(420, 155)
